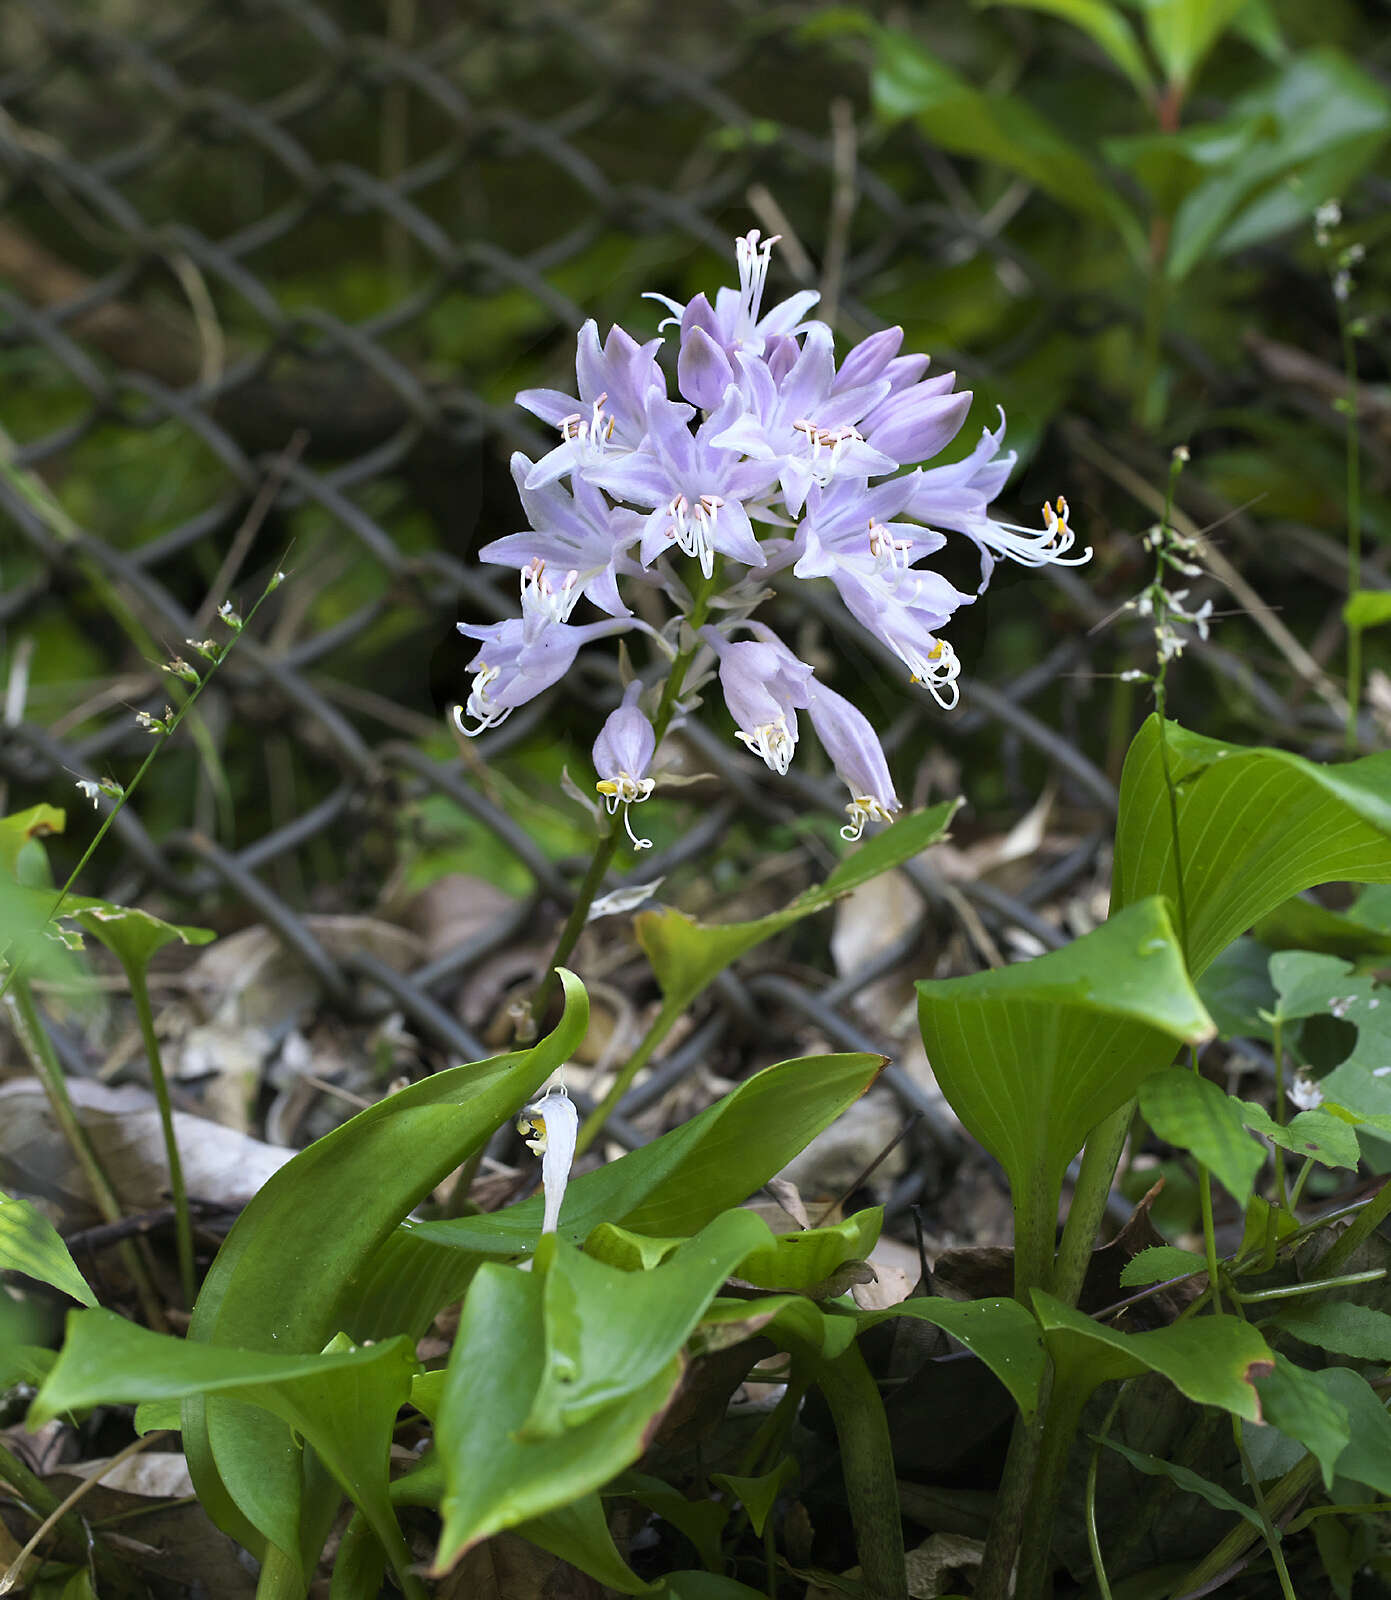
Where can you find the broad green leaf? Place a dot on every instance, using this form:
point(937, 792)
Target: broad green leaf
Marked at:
point(1003, 129)
point(1236, 989)
point(495, 1477)
point(297, 1264)
point(1310, 985)
point(1302, 925)
point(22, 857)
point(1316, 1134)
point(343, 1402)
point(1033, 1056)
point(610, 1333)
point(24, 1363)
point(1187, 1110)
point(1256, 827)
point(132, 936)
point(579, 1533)
point(706, 1586)
point(681, 1181)
point(1368, 608)
point(1296, 1403)
point(788, 1320)
point(1342, 1326)
point(702, 1521)
point(29, 1243)
point(1215, 1361)
point(1321, 119)
point(1181, 32)
point(800, 1260)
point(1107, 28)
point(1158, 1264)
point(1367, 1458)
point(759, 1495)
point(1183, 1478)
point(686, 955)
point(1000, 1332)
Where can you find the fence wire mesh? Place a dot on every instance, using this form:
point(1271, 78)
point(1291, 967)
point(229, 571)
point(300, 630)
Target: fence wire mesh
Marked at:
point(270, 273)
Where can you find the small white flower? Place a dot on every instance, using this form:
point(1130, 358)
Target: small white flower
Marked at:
point(229, 616)
point(550, 1127)
point(90, 791)
point(1305, 1093)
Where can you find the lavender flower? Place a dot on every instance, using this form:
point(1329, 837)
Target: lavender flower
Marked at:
point(622, 754)
point(857, 756)
point(695, 490)
point(609, 418)
point(784, 466)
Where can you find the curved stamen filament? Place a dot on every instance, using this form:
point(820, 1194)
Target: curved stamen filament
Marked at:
point(773, 742)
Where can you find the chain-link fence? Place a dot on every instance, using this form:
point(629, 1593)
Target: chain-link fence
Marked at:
point(270, 272)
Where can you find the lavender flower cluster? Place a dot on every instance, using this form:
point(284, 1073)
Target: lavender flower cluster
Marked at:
point(767, 431)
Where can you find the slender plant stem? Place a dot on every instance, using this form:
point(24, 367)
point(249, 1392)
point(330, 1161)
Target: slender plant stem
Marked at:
point(1230, 1549)
point(609, 841)
point(1354, 515)
point(1288, 1291)
point(867, 1460)
point(183, 1223)
point(1367, 1221)
point(160, 740)
point(36, 1044)
point(1271, 1532)
point(995, 1581)
point(1035, 1227)
point(662, 1025)
point(1060, 1419)
point(1099, 1162)
point(280, 1578)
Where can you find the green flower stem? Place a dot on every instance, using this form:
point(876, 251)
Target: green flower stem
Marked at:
point(1209, 1237)
point(183, 1223)
point(160, 740)
point(1099, 1162)
point(1035, 1229)
point(867, 1461)
point(1229, 1550)
point(608, 843)
point(995, 1580)
point(1059, 1427)
point(662, 1025)
point(1277, 1051)
point(1288, 1291)
point(1268, 1528)
point(281, 1578)
point(1354, 512)
point(1368, 1220)
point(36, 1044)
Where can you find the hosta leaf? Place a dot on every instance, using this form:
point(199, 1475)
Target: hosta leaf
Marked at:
point(495, 1475)
point(29, 1243)
point(343, 1402)
point(681, 1181)
point(1256, 826)
point(295, 1267)
point(1033, 1056)
point(609, 1333)
point(686, 955)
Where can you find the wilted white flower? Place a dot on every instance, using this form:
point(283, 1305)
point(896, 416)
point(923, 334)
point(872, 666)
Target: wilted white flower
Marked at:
point(550, 1128)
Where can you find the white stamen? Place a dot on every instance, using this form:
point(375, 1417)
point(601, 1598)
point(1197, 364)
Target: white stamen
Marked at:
point(753, 259)
point(832, 441)
point(938, 669)
point(862, 809)
point(626, 791)
point(540, 597)
point(480, 704)
point(693, 530)
point(773, 742)
point(886, 550)
point(1034, 547)
point(590, 435)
